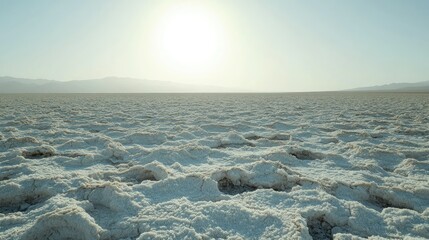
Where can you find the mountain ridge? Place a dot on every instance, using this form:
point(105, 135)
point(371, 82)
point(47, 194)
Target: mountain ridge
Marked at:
point(101, 85)
point(422, 86)
point(113, 84)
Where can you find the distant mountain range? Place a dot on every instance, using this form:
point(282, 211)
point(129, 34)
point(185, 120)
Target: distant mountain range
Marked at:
point(103, 85)
point(133, 85)
point(396, 87)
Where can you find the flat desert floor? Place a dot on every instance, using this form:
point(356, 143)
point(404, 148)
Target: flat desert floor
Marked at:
point(214, 166)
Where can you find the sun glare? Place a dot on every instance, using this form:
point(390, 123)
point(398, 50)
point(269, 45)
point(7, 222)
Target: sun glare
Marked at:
point(189, 38)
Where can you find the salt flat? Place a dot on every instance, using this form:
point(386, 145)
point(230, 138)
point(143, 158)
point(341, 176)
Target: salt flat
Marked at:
point(214, 166)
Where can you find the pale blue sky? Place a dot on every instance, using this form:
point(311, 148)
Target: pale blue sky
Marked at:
point(266, 45)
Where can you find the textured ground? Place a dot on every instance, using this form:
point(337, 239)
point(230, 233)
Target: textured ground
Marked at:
point(256, 166)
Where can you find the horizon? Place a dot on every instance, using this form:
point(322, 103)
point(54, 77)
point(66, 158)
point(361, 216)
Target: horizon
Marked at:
point(289, 47)
point(408, 88)
point(180, 88)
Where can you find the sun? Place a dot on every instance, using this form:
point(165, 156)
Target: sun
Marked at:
point(189, 38)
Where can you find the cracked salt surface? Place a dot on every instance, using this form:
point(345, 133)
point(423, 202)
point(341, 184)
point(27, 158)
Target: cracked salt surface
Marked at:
point(204, 166)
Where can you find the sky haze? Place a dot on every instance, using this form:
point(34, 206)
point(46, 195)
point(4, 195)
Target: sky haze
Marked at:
point(253, 45)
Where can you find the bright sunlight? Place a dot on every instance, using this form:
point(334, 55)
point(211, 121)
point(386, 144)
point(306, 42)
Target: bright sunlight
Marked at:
point(189, 38)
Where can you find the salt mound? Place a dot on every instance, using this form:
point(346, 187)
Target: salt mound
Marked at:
point(14, 142)
point(154, 171)
point(227, 140)
point(146, 138)
point(108, 195)
point(263, 174)
point(115, 152)
point(39, 152)
point(304, 154)
point(195, 188)
point(65, 223)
